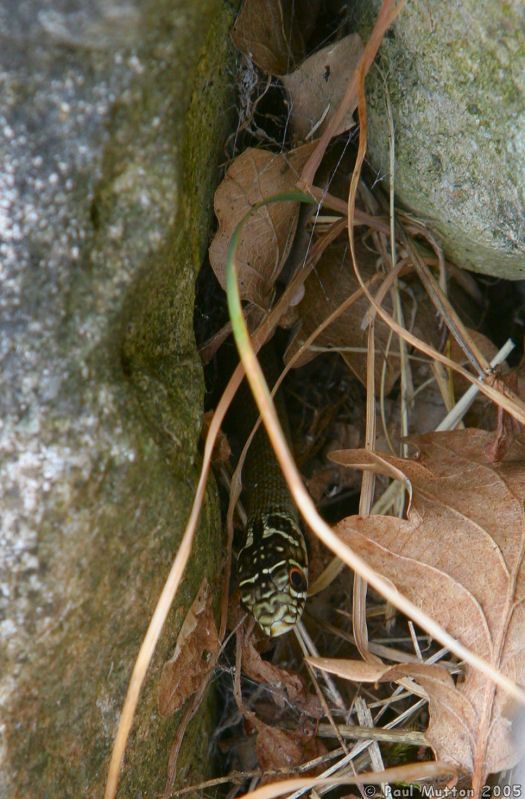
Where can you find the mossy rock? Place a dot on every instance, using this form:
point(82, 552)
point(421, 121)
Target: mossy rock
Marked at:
point(454, 75)
point(114, 121)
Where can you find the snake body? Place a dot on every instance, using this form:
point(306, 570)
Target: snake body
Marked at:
point(273, 563)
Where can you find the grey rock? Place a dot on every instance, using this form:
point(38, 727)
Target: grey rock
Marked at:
point(111, 119)
point(455, 73)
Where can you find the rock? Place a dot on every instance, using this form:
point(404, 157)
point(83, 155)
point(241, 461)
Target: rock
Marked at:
point(112, 119)
point(455, 74)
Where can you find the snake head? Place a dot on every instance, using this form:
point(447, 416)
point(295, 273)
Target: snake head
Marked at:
point(273, 572)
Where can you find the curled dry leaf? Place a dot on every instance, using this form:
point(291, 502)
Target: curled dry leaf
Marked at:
point(273, 32)
point(196, 646)
point(284, 749)
point(459, 556)
point(317, 87)
point(268, 235)
point(373, 462)
point(284, 682)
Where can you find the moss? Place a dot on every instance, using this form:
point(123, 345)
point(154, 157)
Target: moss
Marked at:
point(111, 543)
point(453, 73)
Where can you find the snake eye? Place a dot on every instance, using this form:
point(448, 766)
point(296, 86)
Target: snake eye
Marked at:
point(297, 578)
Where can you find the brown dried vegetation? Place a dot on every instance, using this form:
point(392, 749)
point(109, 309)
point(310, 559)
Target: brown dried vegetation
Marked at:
point(456, 552)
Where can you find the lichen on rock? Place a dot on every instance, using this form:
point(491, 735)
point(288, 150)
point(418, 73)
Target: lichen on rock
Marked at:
point(455, 73)
point(112, 120)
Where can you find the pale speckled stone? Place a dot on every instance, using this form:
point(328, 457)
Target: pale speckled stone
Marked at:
point(455, 73)
point(111, 122)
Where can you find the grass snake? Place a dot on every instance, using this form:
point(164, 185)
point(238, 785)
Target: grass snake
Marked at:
point(273, 562)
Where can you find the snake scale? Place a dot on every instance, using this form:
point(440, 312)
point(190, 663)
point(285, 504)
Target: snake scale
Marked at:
point(273, 562)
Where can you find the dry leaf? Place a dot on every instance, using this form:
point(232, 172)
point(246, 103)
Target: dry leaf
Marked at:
point(509, 431)
point(459, 557)
point(450, 711)
point(283, 682)
point(284, 749)
point(267, 236)
point(329, 284)
point(318, 86)
point(273, 32)
point(197, 643)
point(276, 748)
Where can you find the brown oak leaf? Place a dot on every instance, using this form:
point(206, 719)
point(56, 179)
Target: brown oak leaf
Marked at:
point(459, 557)
point(268, 234)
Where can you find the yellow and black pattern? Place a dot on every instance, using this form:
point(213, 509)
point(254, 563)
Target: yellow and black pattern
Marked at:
point(273, 570)
point(273, 563)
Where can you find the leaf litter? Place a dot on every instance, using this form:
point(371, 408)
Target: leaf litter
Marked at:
point(459, 554)
point(197, 643)
point(457, 709)
point(317, 87)
point(268, 235)
point(274, 33)
point(455, 549)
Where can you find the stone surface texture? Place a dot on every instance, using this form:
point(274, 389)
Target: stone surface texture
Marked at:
point(112, 116)
point(455, 75)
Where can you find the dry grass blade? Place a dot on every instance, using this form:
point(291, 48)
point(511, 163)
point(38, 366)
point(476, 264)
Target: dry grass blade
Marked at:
point(174, 578)
point(365, 503)
point(341, 206)
point(387, 14)
point(356, 732)
point(304, 502)
point(412, 773)
point(165, 600)
point(447, 312)
point(459, 555)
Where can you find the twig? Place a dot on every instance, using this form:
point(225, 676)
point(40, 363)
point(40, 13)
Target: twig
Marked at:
point(461, 407)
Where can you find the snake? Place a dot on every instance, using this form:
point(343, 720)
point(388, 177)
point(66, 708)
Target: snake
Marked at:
point(273, 561)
